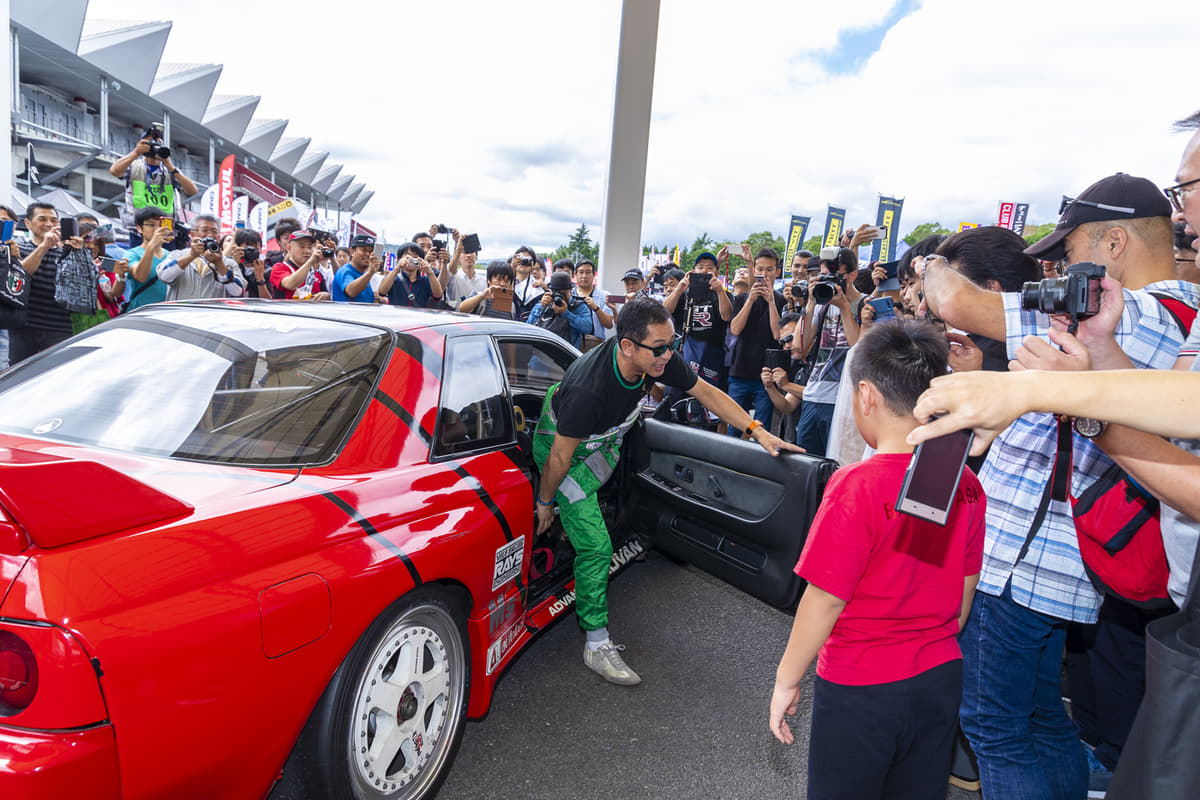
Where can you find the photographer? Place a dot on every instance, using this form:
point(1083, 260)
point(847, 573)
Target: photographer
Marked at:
point(561, 313)
point(785, 384)
point(592, 296)
point(282, 233)
point(254, 268)
point(150, 177)
point(1037, 576)
point(412, 282)
point(460, 279)
point(755, 323)
point(142, 285)
point(529, 286)
point(436, 251)
point(352, 283)
point(832, 331)
point(497, 299)
point(208, 267)
point(702, 309)
point(297, 276)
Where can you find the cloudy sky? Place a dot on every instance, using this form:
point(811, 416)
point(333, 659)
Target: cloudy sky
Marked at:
point(494, 116)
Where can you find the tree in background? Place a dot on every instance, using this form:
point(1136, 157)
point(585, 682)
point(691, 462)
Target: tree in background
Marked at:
point(925, 230)
point(579, 246)
point(813, 244)
point(1038, 232)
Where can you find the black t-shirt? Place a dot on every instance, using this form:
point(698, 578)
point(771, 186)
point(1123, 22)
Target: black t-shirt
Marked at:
point(755, 339)
point(593, 399)
point(701, 320)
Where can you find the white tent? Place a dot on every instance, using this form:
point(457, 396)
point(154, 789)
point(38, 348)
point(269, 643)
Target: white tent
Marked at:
point(20, 201)
point(68, 205)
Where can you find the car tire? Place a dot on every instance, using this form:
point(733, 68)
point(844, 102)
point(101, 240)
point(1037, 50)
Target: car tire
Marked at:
point(390, 721)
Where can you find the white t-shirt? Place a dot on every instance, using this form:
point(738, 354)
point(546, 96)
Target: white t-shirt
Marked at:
point(460, 287)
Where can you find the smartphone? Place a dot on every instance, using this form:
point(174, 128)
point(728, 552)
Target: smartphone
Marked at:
point(377, 250)
point(759, 279)
point(502, 298)
point(470, 243)
point(616, 299)
point(107, 264)
point(240, 225)
point(933, 475)
point(878, 233)
point(68, 227)
point(733, 249)
point(6, 230)
point(166, 223)
point(884, 308)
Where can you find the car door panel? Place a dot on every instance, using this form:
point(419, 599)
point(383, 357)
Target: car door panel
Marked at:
point(726, 505)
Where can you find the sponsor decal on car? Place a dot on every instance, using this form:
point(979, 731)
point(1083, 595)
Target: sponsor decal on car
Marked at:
point(508, 562)
point(561, 604)
point(502, 646)
point(631, 550)
point(501, 612)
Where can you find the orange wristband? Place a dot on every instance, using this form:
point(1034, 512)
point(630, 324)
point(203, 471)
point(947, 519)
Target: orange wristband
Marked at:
point(753, 424)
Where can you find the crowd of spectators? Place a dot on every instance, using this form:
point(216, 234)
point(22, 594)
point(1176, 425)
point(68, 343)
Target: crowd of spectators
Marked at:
point(784, 350)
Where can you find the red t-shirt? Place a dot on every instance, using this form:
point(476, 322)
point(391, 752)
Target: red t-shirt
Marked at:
point(285, 268)
point(901, 577)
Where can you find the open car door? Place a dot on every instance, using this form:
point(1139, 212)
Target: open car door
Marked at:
point(725, 505)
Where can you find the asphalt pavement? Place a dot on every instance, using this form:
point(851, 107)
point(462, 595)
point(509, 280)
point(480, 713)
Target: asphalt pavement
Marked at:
point(696, 727)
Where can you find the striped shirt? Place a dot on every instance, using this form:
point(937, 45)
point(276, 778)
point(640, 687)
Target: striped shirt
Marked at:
point(44, 312)
point(1050, 578)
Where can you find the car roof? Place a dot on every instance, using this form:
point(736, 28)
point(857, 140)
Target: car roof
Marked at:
point(397, 318)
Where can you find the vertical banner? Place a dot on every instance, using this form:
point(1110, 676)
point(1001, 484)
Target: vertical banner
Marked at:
point(241, 210)
point(835, 218)
point(1005, 220)
point(208, 202)
point(887, 218)
point(796, 231)
point(257, 221)
point(1018, 223)
point(966, 226)
point(225, 194)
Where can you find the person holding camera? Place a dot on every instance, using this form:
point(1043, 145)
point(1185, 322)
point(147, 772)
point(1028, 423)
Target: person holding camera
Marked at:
point(530, 284)
point(592, 296)
point(208, 267)
point(702, 309)
point(298, 275)
point(150, 178)
point(755, 323)
point(250, 260)
point(561, 313)
point(832, 331)
point(352, 283)
point(412, 282)
point(460, 279)
point(497, 299)
point(785, 372)
point(142, 286)
point(1033, 576)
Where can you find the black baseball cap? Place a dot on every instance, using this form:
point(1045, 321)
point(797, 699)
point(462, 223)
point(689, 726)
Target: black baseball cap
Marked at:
point(1116, 197)
point(634, 274)
point(362, 240)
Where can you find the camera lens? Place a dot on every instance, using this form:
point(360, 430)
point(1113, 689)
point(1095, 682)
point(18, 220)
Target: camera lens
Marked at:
point(1049, 296)
point(823, 292)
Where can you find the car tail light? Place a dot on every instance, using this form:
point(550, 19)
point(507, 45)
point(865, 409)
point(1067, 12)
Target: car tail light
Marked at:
point(18, 674)
point(47, 681)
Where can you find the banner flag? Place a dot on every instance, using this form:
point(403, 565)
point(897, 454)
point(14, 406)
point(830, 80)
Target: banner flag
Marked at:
point(796, 230)
point(966, 226)
point(208, 201)
point(835, 218)
point(257, 220)
point(1005, 219)
point(225, 194)
point(1018, 223)
point(888, 218)
point(241, 209)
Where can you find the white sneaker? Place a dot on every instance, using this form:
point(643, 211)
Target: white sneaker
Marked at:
point(606, 662)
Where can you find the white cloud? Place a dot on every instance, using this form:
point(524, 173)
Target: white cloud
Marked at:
point(495, 116)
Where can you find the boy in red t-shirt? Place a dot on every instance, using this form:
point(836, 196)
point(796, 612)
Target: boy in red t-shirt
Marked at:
point(887, 595)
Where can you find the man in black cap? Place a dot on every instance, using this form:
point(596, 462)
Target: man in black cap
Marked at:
point(560, 312)
point(352, 283)
point(635, 283)
point(1033, 582)
point(702, 309)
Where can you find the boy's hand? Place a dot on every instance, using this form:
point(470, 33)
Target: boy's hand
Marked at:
point(783, 703)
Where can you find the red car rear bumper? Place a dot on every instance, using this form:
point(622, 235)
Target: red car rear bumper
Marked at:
point(37, 764)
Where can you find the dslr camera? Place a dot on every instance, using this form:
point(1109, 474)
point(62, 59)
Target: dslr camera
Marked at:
point(1076, 294)
point(155, 134)
point(800, 292)
point(778, 359)
point(823, 288)
point(211, 244)
point(250, 254)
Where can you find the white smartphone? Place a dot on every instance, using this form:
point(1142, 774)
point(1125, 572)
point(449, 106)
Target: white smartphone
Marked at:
point(879, 233)
point(933, 475)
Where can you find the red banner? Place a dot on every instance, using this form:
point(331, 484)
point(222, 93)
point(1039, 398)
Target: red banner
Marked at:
point(225, 194)
point(1006, 215)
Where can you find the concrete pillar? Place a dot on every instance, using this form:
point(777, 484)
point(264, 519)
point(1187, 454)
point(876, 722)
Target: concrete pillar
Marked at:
point(12, 97)
point(625, 193)
point(212, 161)
point(104, 115)
point(87, 186)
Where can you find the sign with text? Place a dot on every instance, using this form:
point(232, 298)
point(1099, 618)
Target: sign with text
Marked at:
point(796, 230)
point(1006, 215)
point(966, 226)
point(225, 194)
point(1019, 214)
point(835, 220)
point(887, 217)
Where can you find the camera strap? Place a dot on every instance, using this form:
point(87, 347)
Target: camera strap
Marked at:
point(1056, 487)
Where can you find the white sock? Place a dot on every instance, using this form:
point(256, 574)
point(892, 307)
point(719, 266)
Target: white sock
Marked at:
point(597, 638)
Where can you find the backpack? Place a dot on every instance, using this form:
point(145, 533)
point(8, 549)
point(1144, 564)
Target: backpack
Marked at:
point(75, 282)
point(557, 324)
point(1116, 521)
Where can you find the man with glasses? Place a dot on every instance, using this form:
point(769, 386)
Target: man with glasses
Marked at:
point(578, 442)
point(208, 267)
point(1033, 582)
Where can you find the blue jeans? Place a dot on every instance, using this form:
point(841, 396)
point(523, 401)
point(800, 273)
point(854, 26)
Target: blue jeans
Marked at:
point(746, 392)
point(1012, 710)
point(812, 431)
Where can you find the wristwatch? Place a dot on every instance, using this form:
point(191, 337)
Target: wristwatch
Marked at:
point(1089, 428)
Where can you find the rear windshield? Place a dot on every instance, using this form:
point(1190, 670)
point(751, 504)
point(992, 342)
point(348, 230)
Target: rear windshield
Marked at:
point(204, 384)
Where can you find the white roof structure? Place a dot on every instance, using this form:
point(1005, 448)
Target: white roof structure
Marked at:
point(186, 88)
point(129, 51)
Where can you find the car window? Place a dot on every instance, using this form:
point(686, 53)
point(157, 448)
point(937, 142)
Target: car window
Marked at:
point(474, 411)
point(217, 384)
point(533, 366)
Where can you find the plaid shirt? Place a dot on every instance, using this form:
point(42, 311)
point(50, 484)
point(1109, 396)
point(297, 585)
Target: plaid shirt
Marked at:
point(1050, 578)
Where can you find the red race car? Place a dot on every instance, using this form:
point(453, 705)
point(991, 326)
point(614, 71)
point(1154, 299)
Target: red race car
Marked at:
point(241, 538)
